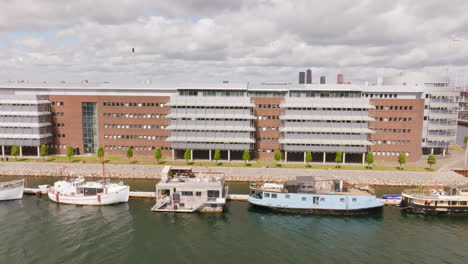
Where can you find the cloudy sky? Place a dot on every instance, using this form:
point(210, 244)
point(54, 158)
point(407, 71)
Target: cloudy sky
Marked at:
point(235, 40)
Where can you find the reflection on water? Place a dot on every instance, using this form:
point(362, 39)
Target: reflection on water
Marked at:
point(35, 230)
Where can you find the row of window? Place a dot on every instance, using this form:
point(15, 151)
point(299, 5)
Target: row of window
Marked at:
point(267, 117)
point(393, 142)
point(379, 153)
point(267, 128)
point(268, 106)
point(132, 104)
point(287, 196)
point(328, 121)
point(267, 139)
point(134, 147)
point(396, 107)
point(57, 114)
point(134, 137)
point(191, 193)
point(326, 109)
point(209, 119)
point(133, 126)
point(58, 146)
point(380, 95)
point(125, 115)
point(321, 133)
point(59, 135)
point(58, 124)
point(56, 103)
point(385, 130)
point(394, 119)
point(209, 107)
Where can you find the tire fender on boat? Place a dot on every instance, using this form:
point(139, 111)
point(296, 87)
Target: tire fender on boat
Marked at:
point(331, 212)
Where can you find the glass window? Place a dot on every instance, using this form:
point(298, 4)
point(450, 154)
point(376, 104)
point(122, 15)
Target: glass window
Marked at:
point(287, 196)
point(354, 200)
point(267, 194)
point(304, 198)
point(274, 195)
point(342, 200)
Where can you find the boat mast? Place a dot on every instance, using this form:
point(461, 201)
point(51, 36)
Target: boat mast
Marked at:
point(103, 171)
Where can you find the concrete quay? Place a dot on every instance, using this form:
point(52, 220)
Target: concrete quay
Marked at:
point(237, 174)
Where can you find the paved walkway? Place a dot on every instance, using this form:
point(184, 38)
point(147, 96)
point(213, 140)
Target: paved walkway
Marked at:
point(242, 174)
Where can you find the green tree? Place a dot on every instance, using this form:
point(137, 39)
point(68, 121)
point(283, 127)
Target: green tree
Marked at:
point(44, 151)
point(158, 154)
point(188, 155)
point(100, 153)
point(277, 156)
point(246, 156)
point(338, 158)
point(369, 159)
point(130, 153)
point(308, 158)
point(401, 159)
point(431, 160)
point(217, 155)
point(15, 151)
point(70, 152)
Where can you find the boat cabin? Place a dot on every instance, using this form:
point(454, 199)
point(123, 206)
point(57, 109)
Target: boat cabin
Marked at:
point(184, 190)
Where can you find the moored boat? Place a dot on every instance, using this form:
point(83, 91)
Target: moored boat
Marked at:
point(307, 195)
point(80, 192)
point(11, 190)
point(451, 200)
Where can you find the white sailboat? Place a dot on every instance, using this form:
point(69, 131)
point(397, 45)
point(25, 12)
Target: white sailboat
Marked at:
point(11, 190)
point(80, 192)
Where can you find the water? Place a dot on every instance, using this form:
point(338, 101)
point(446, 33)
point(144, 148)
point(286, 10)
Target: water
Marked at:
point(35, 230)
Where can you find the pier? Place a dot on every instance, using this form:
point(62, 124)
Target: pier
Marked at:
point(151, 195)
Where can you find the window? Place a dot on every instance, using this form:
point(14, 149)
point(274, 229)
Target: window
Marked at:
point(212, 193)
point(187, 193)
point(287, 196)
point(274, 195)
point(354, 199)
point(198, 193)
point(267, 195)
point(322, 199)
point(304, 198)
point(342, 200)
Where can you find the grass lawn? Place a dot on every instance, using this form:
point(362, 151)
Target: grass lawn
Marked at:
point(251, 164)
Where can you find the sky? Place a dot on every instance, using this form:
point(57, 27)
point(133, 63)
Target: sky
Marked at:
point(210, 41)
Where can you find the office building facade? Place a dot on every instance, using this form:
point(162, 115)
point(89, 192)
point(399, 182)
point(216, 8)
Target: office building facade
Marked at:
point(396, 116)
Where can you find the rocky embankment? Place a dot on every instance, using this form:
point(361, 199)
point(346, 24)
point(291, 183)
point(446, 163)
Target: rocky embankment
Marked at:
point(236, 174)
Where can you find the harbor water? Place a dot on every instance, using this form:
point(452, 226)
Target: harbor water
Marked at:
point(35, 230)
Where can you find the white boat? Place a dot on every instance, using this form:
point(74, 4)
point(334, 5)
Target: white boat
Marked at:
point(11, 190)
point(80, 192)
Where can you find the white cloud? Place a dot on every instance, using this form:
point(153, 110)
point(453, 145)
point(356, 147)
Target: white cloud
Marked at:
point(249, 40)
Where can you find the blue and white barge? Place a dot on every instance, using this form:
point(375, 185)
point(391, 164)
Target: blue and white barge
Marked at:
point(308, 195)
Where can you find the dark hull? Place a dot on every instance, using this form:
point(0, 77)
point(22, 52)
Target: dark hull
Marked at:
point(323, 211)
point(432, 210)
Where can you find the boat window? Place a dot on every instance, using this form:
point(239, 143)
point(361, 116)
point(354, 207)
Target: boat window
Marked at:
point(463, 202)
point(267, 194)
point(212, 193)
point(354, 199)
point(342, 200)
point(304, 198)
point(181, 205)
point(287, 196)
point(453, 203)
point(187, 193)
point(198, 193)
point(274, 195)
point(322, 199)
point(92, 191)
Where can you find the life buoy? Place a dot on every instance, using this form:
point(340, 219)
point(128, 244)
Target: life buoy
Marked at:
point(331, 212)
point(345, 186)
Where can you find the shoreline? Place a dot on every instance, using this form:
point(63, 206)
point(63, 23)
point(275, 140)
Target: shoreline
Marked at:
point(236, 174)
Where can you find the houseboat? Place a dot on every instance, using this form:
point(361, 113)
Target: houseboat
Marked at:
point(184, 190)
point(81, 192)
point(11, 190)
point(314, 196)
point(451, 200)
